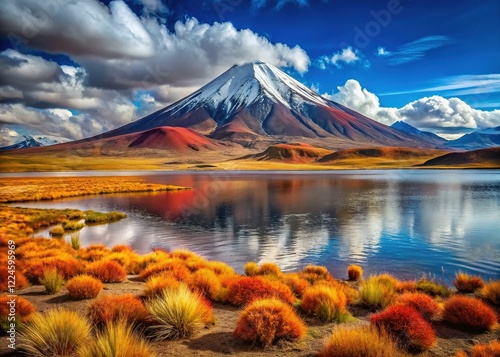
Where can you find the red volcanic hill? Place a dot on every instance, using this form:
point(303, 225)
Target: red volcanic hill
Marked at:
point(173, 139)
point(293, 153)
point(256, 102)
point(161, 139)
point(484, 157)
point(393, 153)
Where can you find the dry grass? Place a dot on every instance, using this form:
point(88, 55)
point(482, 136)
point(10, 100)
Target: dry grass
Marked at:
point(117, 340)
point(406, 325)
point(178, 313)
point(354, 272)
point(107, 271)
point(242, 290)
point(356, 342)
point(425, 305)
point(58, 332)
point(52, 280)
point(23, 310)
point(107, 309)
point(469, 313)
point(14, 189)
point(432, 288)
point(466, 283)
point(157, 283)
point(491, 292)
point(269, 321)
point(84, 287)
point(205, 282)
point(325, 302)
point(377, 292)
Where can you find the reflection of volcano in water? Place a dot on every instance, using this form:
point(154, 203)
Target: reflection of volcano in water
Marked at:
point(407, 223)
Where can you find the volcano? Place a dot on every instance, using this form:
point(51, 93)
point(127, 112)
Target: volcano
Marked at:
point(256, 101)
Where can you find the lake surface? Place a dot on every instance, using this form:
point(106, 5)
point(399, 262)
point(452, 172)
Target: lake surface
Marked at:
point(405, 222)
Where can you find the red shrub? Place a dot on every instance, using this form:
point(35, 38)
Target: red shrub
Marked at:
point(107, 271)
point(84, 287)
point(469, 313)
point(111, 308)
point(176, 266)
point(467, 284)
point(205, 282)
point(406, 325)
point(23, 307)
point(423, 303)
point(354, 272)
point(269, 321)
point(242, 290)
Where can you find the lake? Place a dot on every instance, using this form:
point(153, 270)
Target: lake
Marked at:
point(405, 222)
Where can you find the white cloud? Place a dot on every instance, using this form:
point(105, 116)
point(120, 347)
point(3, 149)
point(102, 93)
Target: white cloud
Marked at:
point(77, 27)
point(415, 50)
point(342, 57)
point(441, 115)
point(151, 7)
point(381, 51)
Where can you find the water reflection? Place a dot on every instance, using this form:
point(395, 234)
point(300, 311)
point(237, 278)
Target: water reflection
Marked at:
point(403, 222)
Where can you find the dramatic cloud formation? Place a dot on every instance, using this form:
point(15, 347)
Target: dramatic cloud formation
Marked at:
point(127, 65)
point(414, 50)
point(340, 58)
point(447, 117)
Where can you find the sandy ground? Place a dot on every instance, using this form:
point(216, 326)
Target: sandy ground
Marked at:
point(218, 340)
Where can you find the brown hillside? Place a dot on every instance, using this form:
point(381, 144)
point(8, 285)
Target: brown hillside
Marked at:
point(484, 157)
point(390, 153)
point(292, 153)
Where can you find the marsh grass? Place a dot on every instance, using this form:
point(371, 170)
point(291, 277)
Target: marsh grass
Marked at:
point(75, 240)
point(98, 217)
point(52, 280)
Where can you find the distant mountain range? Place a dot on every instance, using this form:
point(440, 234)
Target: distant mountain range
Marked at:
point(11, 139)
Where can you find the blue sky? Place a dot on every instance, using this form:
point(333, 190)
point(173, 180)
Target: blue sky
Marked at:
point(78, 70)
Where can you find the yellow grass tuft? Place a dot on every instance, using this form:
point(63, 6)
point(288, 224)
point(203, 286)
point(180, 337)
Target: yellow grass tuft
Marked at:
point(355, 272)
point(356, 342)
point(57, 332)
point(378, 292)
point(178, 313)
point(117, 340)
point(52, 280)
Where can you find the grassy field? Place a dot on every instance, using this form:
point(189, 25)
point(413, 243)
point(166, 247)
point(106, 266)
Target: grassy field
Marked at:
point(20, 189)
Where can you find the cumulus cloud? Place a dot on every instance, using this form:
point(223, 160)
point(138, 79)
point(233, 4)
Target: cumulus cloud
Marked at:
point(126, 66)
point(443, 116)
point(78, 27)
point(381, 51)
point(343, 57)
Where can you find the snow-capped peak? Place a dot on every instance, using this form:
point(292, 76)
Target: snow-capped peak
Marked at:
point(243, 85)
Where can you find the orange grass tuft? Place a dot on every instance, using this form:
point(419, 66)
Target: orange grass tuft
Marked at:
point(157, 283)
point(469, 313)
point(242, 290)
point(205, 282)
point(112, 308)
point(23, 308)
point(176, 266)
point(107, 271)
point(406, 325)
point(21, 281)
point(325, 302)
point(268, 321)
point(491, 292)
point(296, 283)
point(354, 272)
point(84, 287)
point(466, 283)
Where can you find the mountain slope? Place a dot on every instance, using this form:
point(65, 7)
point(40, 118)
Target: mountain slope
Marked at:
point(481, 158)
point(292, 153)
point(479, 139)
point(427, 135)
point(10, 140)
point(257, 101)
